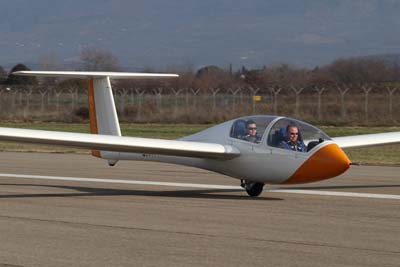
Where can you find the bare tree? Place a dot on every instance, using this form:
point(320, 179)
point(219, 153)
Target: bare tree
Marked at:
point(358, 70)
point(96, 59)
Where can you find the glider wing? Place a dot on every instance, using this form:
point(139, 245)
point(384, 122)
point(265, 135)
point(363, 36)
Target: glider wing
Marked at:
point(95, 74)
point(121, 143)
point(367, 139)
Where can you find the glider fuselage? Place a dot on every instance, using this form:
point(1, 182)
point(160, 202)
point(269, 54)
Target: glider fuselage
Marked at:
point(258, 162)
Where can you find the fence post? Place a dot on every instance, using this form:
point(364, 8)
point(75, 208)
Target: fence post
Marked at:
point(214, 95)
point(297, 104)
point(254, 92)
point(140, 99)
point(49, 91)
point(58, 94)
point(187, 99)
point(132, 97)
point(1, 100)
point(20, 97)
point(195, 92)
point(234, 93)
point(176, 96)
point(14, 97)
point(391, 92)
point(123, 93)
point(367, 90)
point(342, 94)
point(275, 92)
point(158, 94)
point(72, 92)
point(42, 96)
point(28, 93)
point(319, 101)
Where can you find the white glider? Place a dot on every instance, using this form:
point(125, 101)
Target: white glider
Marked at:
point(223, 148)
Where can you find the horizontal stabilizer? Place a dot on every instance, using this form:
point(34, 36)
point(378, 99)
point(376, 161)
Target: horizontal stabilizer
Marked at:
point(96, 74)
point(367, 139)
point(121, 144)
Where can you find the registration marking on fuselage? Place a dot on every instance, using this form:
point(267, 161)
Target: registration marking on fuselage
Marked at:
point(205, 186)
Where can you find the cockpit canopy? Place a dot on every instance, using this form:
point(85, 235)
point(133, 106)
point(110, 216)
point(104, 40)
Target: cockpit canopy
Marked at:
point(240, 127)
point(253, 128)
point(309, 135)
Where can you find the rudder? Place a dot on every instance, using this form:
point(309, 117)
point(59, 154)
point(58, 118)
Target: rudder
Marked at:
point(102, 111)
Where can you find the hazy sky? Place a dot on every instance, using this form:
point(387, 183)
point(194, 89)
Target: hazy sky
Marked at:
point(159, 33)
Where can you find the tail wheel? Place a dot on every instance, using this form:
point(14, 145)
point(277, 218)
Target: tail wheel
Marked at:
point(253, 189)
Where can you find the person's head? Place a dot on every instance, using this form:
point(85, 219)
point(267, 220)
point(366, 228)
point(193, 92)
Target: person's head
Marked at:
point(251, 127)
point(292, 133)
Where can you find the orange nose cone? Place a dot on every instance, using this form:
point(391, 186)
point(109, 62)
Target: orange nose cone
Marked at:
point(329, 161)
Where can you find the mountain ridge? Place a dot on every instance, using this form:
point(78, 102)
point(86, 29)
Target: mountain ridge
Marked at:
point(159, 34)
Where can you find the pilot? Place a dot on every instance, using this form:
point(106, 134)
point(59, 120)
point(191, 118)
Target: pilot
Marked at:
point(292, 140)
point(251, 132)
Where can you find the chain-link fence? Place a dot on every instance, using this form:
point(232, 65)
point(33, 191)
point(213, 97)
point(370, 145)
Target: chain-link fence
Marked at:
point(362, 105)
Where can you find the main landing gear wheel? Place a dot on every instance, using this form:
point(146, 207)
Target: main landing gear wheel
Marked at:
point(253, 189)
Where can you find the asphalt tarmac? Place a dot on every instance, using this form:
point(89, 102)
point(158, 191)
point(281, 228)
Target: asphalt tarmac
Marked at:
point(50, 222)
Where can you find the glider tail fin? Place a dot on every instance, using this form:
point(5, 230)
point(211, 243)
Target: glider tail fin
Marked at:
point(102, 112)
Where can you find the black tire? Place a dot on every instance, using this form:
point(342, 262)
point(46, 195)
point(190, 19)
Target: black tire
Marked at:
point(255, 189)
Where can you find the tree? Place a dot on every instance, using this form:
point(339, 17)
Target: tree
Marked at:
point(3, 75)
point(211, 77)
point(20, 80)
point(96, 59)
point(358, 71)
point(285, 76)
point(319, 77)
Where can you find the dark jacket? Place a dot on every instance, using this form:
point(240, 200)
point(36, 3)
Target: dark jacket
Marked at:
point(295, 146)
point(252, 138)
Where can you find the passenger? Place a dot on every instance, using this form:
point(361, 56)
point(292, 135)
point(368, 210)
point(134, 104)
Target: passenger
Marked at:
point(292, 140)
point(251, 132)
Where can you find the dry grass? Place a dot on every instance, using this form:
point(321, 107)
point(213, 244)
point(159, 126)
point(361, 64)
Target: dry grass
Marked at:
point(208, 109)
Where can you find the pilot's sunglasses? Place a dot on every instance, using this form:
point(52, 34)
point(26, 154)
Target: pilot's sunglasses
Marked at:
point(294, 133)
point(252, 128)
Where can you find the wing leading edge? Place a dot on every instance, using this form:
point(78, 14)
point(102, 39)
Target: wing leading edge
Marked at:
point(121, 143)
point(367, 139)
point(95, 74)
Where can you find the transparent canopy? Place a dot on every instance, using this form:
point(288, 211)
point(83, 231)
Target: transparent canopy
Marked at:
point(252, 129)
point(307, 134)
point(240, 128)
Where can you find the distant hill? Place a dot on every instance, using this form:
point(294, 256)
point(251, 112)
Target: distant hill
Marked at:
point(159, 33)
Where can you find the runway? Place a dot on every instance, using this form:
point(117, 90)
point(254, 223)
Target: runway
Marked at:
point(74, 210)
